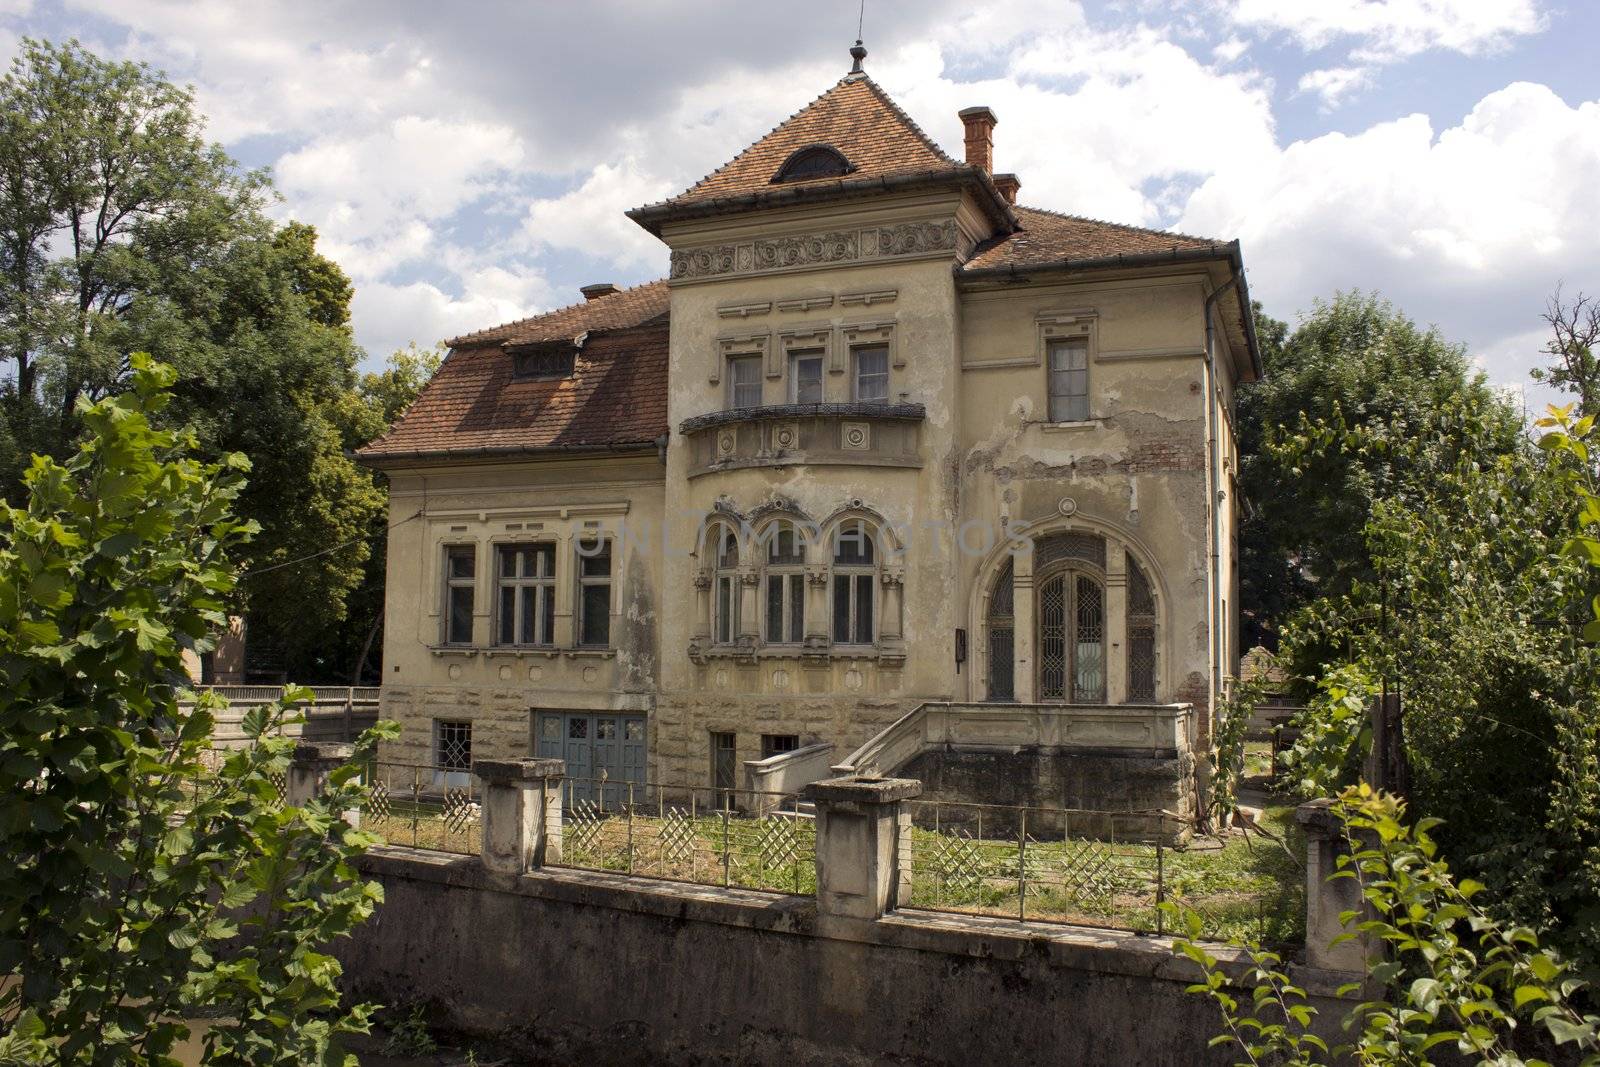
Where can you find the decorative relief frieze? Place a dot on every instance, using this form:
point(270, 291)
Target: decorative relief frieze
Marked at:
point(816, 249)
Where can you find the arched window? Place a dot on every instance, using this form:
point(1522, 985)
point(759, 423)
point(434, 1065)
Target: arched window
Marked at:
point(1141, 634)
point(1002, 637)
point(725, 584)
point(785, 584)
point(812, 162)
point(855, 583)
point(1072, 637)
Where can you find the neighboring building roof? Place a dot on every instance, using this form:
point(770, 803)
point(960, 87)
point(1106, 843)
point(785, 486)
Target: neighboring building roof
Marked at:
point(1047, 237)
point(614, 311)
point(857, 118)
point(615, 398)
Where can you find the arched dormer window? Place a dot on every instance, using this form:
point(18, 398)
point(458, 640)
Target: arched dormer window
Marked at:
point(724, 544)
point(812, 162)
point(855, 582)
point(784, 584)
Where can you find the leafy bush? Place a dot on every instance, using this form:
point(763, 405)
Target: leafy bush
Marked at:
point(147, 878)
point(1453, 975)
point(1335, 732)
point(1228, 745)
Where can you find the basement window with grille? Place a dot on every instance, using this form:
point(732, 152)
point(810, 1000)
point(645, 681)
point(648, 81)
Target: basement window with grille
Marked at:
point(543, 364)
point(452, 752)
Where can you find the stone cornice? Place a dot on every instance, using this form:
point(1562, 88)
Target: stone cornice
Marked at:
point(773, 255)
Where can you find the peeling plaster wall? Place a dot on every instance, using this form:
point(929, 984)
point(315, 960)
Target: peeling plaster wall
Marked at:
point(495, 688)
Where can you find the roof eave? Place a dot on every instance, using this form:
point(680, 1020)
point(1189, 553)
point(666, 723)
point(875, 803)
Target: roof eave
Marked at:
point(390, 460)
point(654, 216)
point(1228, 252)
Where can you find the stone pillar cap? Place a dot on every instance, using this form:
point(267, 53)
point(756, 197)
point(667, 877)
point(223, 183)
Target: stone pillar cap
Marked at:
point(526, 769)
point(863, 790)
point(315, 751)
point(1318, 817)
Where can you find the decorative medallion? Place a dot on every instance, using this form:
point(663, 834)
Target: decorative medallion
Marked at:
point(505, 674)
point(1068, 506)
point(780, 679)
point(721, 678)
point(454, 671)
point(786, 435)
point(855, 436)
point(853, 679)
point(535, 673)
point(590, 674)
point(727, 443)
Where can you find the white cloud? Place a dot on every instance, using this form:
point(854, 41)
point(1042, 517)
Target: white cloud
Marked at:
point(590, 217)
point(1230, 50)
point(374, 196)
point(1386, 30)
point(1333, 84)
point(1461, 228)
point(388, 316)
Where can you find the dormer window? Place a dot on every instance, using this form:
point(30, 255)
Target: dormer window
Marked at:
point(812, 162)
point(543, 364)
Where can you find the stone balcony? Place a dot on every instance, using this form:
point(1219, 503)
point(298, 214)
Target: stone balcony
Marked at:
point(778, 435)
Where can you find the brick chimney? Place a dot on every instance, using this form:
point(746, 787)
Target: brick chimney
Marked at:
point(597, 290)
point(979, 123)
point(1009, 185)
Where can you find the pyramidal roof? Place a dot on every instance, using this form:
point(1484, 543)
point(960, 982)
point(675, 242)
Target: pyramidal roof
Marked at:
point(856, 117)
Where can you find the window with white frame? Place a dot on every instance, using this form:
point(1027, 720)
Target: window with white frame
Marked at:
point(855, 580)
point(870, 378)
point(526, 604)
point(805, 376)
point(1069, 379)
point(744, 381)
point(785, 584)
point(460, 583)
point(594, 592)
point(725, 585)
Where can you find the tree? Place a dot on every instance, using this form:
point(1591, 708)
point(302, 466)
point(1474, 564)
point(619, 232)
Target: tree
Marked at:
point(146, 877)
point(1355, 362)
point(122, 229)
point(1574, 336)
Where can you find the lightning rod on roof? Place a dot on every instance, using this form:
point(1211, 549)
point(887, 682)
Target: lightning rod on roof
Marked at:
point(859, 53)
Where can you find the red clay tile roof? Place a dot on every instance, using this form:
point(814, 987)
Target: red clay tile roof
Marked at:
point(856, 117)
point(616, 396)
point(619, 310)
point(1047, 237)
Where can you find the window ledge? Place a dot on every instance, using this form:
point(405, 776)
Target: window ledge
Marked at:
point(466, 651)
point(546, 651)
point(1070, 427)
point(798, 653)
point(589, 653)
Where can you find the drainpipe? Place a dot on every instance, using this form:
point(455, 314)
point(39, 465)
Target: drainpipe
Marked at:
point(1214, 518)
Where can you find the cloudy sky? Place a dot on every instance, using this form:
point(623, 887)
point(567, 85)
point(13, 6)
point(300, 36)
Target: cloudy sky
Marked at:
point(469, 162)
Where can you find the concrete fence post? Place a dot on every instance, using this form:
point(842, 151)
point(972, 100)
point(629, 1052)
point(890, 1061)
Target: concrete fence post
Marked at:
point(309, 768)
point(521, 812)
point(863, 848)
point(1328, 898)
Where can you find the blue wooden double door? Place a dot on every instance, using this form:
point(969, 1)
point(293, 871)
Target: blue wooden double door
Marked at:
point(604, 751)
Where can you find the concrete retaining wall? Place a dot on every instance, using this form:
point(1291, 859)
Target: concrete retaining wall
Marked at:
point(581, 967)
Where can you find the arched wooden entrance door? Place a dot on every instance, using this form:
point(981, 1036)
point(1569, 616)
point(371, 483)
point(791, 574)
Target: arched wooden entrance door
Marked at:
point(1072, 637)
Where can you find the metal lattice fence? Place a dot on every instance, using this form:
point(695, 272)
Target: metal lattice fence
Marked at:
point(423, 807)
point(724, 837)
point(1098, 868)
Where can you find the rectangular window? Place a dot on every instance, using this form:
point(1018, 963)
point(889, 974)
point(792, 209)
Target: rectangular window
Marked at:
point(460, 580)
point(526, 605)
point(1069, 380)
point(852, 609)
point(724, 768)
point(452, 745)
point(777, 744)
point(594, 593)
point(744, 382)
point(786, 608)
point(805, 376)
point(543, 363)
point(872, 373)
